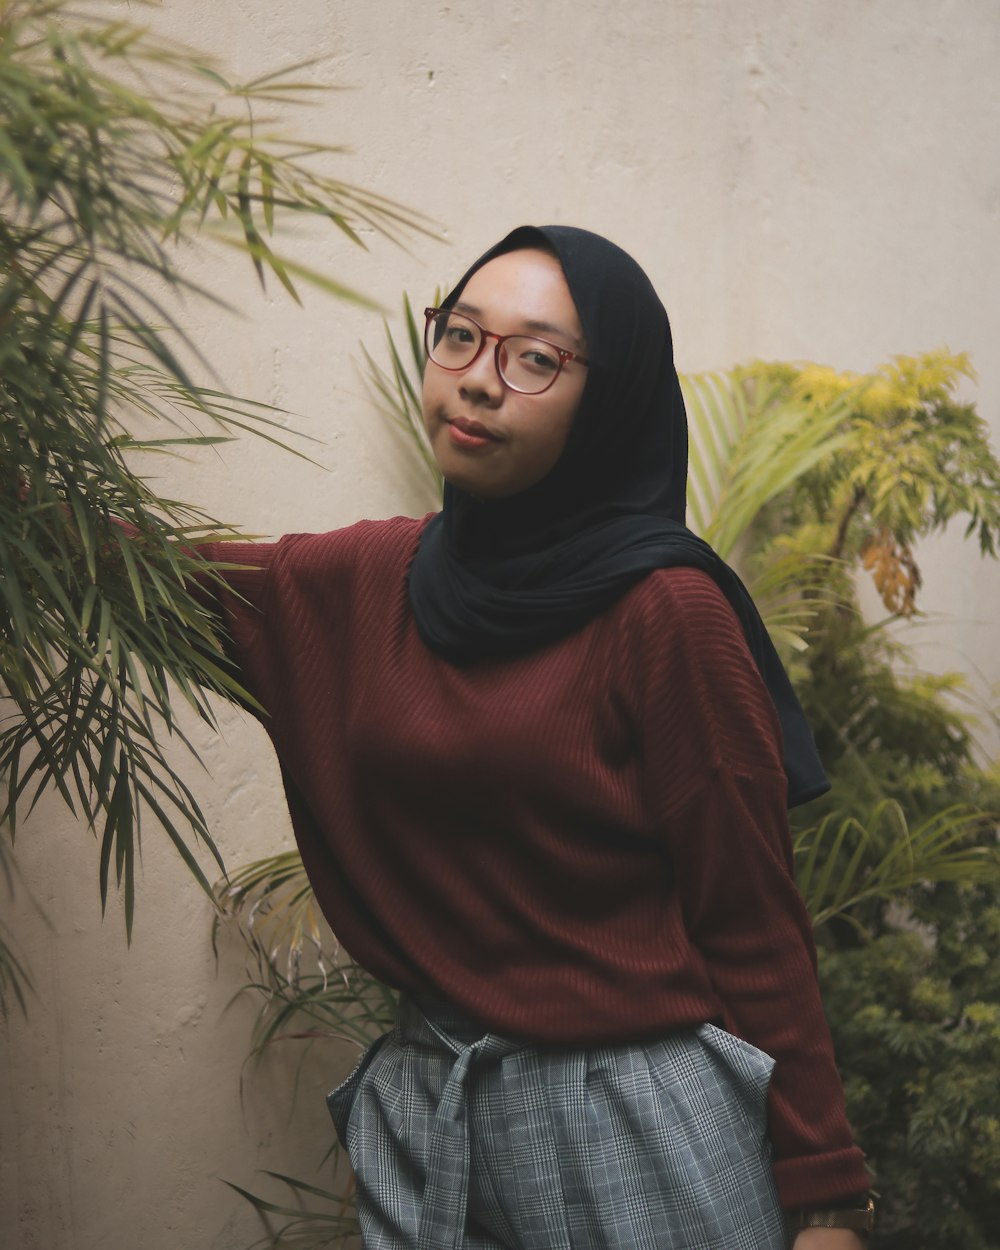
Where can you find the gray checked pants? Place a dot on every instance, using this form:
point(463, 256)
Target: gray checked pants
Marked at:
point(469, 1141)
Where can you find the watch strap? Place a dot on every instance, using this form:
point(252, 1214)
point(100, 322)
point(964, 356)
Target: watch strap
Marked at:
point(860, 1219)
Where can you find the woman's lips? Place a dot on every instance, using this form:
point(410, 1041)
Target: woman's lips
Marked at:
point(464, 432)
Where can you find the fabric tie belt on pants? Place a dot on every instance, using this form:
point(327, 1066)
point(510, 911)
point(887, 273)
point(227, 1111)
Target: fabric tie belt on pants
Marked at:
point(446, 1188)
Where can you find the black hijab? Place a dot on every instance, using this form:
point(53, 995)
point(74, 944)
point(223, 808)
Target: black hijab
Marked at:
point(498, 577)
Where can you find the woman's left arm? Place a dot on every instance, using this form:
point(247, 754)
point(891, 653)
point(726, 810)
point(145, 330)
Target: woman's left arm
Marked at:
point(719, 798)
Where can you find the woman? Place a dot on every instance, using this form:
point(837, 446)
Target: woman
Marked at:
point(538, 752)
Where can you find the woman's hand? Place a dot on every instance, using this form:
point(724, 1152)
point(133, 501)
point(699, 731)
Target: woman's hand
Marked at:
point(828, 1239)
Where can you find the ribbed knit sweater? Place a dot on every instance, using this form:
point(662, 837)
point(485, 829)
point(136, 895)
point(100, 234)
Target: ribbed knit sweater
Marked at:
point(587, 844)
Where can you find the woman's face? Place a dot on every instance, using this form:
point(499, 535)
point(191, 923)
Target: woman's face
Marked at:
point(488, 440)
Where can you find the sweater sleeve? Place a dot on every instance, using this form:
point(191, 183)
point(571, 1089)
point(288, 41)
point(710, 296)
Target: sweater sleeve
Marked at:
point(233, 588)
point(238, 573)
point(718, 794)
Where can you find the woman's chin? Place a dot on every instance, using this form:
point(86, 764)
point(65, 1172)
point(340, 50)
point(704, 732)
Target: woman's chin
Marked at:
point(477, 485)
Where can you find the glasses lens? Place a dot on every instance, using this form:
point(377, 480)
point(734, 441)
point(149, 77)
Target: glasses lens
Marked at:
point(529, 365)
point(452, 340)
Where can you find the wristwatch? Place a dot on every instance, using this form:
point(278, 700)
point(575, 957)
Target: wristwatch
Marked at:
point(860, 1219)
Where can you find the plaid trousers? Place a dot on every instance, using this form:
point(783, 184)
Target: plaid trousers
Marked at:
point(468, 1141)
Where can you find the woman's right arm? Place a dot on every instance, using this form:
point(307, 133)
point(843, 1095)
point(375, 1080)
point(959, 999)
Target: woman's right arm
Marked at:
point(125, 576)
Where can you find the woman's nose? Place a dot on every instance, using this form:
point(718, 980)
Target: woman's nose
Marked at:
point(482, 376)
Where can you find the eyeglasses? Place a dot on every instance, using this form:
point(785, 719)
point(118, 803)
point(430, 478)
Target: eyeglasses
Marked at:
point(525, 364)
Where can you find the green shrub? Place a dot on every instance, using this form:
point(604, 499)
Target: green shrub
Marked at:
point(915, 1014)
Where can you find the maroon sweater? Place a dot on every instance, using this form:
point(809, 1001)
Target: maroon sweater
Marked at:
point(585, 844)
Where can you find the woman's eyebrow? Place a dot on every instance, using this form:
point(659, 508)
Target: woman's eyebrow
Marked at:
point(538, 327)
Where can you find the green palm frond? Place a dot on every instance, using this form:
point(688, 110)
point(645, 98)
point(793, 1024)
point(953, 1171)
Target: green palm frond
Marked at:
point(116, 147)
point(395, 392)
point(842, 863)
point(307, 986)
point(750, 443)
point(15, 980)
point(718, 413)
point(320, 1218)
point(343, 1003)
point(276, 909)
point(791, 589)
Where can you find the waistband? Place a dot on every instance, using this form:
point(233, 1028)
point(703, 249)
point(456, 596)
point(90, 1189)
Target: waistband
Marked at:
point(441, 1025)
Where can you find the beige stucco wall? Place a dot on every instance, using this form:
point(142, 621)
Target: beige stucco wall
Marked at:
point(801, 179)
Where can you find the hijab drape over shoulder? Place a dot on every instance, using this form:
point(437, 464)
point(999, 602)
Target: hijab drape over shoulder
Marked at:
point(497, 577)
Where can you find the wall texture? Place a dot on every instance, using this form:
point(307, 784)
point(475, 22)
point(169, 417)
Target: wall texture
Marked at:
point(801, 181)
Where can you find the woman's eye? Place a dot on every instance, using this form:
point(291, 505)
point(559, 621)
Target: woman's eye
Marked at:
point(461, 336)
point(542, 358)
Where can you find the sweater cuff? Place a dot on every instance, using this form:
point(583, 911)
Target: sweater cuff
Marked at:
point(821, 1180)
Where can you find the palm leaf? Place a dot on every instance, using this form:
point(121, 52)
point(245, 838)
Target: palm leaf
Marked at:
point(717, 416)
point(303, 1227)
point(749, 445)
point(791, 590)
point(274, 903)
point(101, 124)
point(15, 980)
point(345, 1005)
point(396, 394)
point(840, 867)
